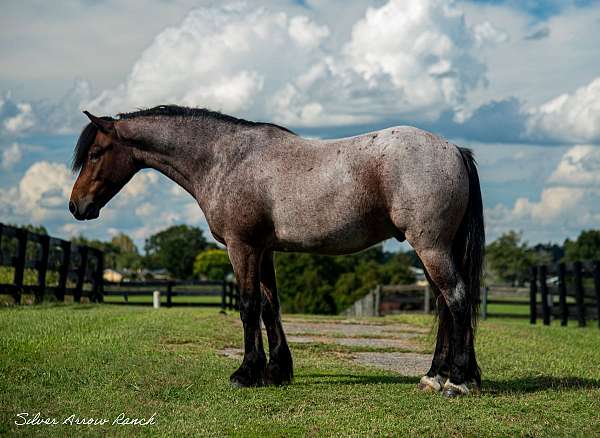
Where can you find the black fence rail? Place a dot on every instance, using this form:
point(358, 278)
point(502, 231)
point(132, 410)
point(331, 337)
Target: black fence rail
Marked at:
point(566, 291)
point(77, 270)
point(503, 295)
point(227, 292)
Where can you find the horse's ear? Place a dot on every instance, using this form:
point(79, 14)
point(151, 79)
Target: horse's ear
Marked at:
point(106, 126)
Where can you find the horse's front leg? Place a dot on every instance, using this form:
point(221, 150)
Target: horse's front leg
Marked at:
point(245, 260)
point(280, 367)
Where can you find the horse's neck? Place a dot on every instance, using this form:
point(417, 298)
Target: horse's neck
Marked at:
point(185, 154)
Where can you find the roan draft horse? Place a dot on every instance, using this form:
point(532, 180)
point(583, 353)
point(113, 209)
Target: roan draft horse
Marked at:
point(263, 188)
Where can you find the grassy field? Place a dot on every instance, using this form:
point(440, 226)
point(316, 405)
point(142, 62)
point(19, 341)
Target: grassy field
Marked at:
point(99, 361)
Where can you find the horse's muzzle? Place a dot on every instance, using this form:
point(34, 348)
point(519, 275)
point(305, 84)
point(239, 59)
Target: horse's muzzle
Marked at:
point(84, 210)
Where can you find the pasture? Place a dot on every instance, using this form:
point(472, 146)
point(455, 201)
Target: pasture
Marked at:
point(99, 361)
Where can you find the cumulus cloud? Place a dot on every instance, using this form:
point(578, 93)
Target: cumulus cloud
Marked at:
point(405, 57)
point(580, 166)
point(218, 57)
point(486, 33)
point(63, 116)
point(15, 117)
point(141, 183)
point(11, 156)
point(570, 117)
point(42, 193)
point(569, 201)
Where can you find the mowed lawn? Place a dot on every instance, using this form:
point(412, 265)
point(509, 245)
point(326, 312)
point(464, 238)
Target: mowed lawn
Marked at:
point(100, 361)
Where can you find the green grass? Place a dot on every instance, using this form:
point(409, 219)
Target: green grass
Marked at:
point(99, 361)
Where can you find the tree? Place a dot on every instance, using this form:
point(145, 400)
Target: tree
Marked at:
point(124, 243)
point(175, 249)
point(312, 283)
point(509, 259)
point(585, 247)
point(127, 254)
point(212, 264)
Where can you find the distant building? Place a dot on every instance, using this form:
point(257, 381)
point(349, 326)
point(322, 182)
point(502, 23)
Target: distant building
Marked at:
point(419, 274)
point(112, 276)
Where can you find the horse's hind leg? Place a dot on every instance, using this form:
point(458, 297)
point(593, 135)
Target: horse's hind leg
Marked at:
point(437, 375)
point(280, 367)
point(440, 265)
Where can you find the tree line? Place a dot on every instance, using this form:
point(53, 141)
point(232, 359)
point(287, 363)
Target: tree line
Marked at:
point(313, 283)
point(509, 258)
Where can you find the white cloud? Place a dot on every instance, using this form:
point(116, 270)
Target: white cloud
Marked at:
point(486, 33)
point(554, 203)
point(422, 48)
point(43, 191)
point(21, 121)
point(307, 33)
point(580, 166)
point(140, 185)
point(11, 156)
point(406, 57)
point(569, 202)
point(571, 117)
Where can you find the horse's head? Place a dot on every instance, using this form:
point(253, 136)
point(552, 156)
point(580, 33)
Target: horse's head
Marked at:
point(105, 161)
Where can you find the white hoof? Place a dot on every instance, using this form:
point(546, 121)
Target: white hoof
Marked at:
point(431, 384)
point(453, 390)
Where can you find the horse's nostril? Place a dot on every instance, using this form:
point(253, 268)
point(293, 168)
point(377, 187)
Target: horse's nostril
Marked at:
point(72, 207)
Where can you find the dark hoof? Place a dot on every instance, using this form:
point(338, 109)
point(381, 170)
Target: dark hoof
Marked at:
point(277, 375)
point(248, 376)
point(280, 369)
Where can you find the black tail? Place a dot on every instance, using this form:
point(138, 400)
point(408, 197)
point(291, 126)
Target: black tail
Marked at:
point(469, 243)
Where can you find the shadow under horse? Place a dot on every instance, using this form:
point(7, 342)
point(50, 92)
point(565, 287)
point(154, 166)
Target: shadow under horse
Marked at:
point(263, 188)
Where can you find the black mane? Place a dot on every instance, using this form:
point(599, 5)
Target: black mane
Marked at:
point(182, 111)
point(89, 132)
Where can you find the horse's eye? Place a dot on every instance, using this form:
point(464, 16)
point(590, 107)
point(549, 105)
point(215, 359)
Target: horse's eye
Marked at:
point(95, 154)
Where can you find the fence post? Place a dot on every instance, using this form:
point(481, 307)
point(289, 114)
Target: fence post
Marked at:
point(43, 268)
point(80, 274)
point(64, 271)
point(484, 302)
point(98, 292)
point(223, 295)
point(20, 264)
point(544, 291)
point(533, 295)
point(562, 297)
point(577, 266)
point(169, 294)
point(236, 298)
point(597, 287)
point(426, 299)
point(378, 300)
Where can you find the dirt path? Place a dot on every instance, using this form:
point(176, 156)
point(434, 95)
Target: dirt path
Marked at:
point(405, 341)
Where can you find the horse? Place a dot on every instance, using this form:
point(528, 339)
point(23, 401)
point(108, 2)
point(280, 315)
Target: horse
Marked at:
point(262, 188)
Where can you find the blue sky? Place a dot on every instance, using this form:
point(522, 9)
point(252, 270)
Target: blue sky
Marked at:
point(517, 81)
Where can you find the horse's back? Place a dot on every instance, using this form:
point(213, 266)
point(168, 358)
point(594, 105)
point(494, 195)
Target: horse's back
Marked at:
point(347, 194)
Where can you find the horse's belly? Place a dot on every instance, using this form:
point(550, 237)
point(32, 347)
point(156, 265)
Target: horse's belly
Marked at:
point(331, 234)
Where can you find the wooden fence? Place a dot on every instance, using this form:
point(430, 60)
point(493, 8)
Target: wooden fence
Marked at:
point(227, 291)
point(389, 299)
point(76, 266)
point(577, 289)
